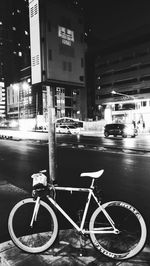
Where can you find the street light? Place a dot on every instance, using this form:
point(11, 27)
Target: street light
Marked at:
point(123, 94)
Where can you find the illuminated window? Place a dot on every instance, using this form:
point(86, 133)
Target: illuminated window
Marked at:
point(30, 99)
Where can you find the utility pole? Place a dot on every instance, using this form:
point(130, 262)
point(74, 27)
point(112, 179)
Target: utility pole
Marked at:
point(51, 132)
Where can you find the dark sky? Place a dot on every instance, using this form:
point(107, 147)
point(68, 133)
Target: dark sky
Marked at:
point(112, 17)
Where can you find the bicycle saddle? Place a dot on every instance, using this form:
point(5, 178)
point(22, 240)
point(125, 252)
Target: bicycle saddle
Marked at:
point(96, 174)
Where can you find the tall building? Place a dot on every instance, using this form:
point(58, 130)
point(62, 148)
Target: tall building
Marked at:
point(62, 51)
point(14, 46)
point(122, 82)
point(14, 39)
point(5, 52)
point(58, 60)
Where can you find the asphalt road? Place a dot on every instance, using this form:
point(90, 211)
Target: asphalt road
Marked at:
point(126, 175)
point(141, 142)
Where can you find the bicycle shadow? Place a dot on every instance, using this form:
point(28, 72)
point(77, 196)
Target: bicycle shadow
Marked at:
point(70, 248)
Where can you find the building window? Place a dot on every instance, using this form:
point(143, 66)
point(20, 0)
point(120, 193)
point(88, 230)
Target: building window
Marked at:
point(144, 103)
point(81, 78)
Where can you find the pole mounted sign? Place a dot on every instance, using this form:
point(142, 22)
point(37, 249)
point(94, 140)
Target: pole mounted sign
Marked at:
point(35, 41)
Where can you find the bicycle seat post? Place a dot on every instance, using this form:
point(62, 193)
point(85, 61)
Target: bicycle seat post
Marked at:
point(92, 184)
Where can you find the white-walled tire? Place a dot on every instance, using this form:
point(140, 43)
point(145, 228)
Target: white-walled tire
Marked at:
point(132, 237)
point(44, 231)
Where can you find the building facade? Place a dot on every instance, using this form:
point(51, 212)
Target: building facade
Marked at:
point(14, 45)
point(59, 62)
point(122, 87)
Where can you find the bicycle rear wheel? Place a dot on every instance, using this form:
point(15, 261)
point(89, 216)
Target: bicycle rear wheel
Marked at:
point(41, 235)
point(132, 230)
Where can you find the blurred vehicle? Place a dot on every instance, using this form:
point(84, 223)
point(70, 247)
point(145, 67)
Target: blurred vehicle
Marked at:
point(121, 129)
point(9, 124)
point(67, 129)
point(69, 122)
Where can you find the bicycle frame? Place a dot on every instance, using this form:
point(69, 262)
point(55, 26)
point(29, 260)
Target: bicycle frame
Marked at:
point(110, 229)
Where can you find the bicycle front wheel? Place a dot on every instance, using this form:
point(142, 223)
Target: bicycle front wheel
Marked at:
point(131, 226)
point(43, 232)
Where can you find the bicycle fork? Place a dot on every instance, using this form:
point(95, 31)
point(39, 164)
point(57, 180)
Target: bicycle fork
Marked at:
point(35, 212)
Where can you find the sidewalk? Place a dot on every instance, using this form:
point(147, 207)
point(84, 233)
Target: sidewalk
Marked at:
point(66, 252)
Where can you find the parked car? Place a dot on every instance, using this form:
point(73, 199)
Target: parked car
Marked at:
point(67, 129)
point(121, 129)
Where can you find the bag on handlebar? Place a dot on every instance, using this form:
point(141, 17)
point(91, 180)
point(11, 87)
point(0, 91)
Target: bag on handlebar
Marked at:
point(39, 180)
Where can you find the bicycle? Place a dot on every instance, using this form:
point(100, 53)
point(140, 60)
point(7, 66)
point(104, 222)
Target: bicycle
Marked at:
point(116, 229)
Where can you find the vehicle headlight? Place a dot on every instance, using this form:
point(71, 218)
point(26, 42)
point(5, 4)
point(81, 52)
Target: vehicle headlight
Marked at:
point(128, 130)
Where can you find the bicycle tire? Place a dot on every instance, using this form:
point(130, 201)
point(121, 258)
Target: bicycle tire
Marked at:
point(44, 231)
point(133, 232)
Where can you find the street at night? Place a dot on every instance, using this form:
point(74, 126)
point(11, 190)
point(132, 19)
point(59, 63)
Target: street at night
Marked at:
point(74, 100)
point(126, 175)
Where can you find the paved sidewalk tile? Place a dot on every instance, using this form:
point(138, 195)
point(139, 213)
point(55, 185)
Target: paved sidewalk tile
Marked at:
point(67, 252)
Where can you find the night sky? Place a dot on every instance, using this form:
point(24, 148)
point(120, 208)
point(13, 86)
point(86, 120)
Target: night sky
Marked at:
point(110, 18)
